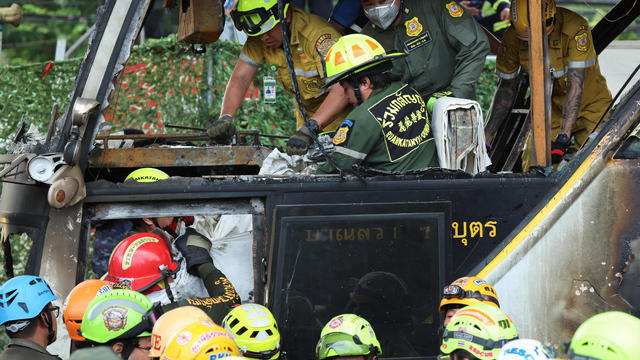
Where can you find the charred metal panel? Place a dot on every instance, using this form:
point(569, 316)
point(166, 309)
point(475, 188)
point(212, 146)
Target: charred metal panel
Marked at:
point(178, 157)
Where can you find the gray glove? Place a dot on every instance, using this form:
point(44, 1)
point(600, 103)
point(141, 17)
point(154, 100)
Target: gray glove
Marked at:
point(300, 142)
point(222, 129)
point(195, 249)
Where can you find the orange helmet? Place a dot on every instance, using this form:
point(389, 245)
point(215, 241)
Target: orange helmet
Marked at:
point(519, 16)
point(466, 291)
point(140, 262)
point(77, 302)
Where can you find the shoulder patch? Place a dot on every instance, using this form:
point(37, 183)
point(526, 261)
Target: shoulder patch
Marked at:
point(324, 43)
point(342, 135)
point(455, 10)
point(404, 122)
point(582, 41)
point(413, 27)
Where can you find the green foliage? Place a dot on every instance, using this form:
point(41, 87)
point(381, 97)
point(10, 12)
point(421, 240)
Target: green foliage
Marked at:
point(486, 85)
point(44, 22)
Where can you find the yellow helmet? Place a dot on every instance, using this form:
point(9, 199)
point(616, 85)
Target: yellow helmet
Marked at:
point(256, 17)
point(352, 54)
point(254, 330)
point(466, 291)
point(200, 342)
point(520, 19)
point(147, 175)
point(173, 321)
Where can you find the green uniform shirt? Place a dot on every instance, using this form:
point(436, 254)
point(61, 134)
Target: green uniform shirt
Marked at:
point(446, 46)
point(390, 131)
point(22, 349)
point(222, 294)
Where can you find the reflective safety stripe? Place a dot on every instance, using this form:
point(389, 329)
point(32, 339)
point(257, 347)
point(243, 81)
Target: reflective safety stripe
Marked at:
point(581, 64)
point(507, 76)
point(300, 72)
point(497, 26)
point(351, 153)
point(558, 74)
point(248, 60)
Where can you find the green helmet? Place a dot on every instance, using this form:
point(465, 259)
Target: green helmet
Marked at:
point(256, 17)
point(116, 314)
point(479, 329)
point(611, 335)
point(347, 335)
point(255, 331)
point(147, 175)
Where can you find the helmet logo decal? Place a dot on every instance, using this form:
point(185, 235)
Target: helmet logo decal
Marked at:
point(123, 283)
point(195, 348)
point(478, 315)
point(335, 323)
point(183, 338)
point(454, 9)
point(128, 254)
point(115, 318)
point(479, 282)
point(413, 27)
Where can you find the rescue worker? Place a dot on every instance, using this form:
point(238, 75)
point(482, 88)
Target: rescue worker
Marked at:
point(120, 319)
point(580, 94)
point(200, 341)
point(143, 263)
point(311, 38)
point(446, 46)
point(29, 318)
point(254, 330)
point(76, 303)
point(466, 291)
point(497, 21)
point(389, 129)
point(611, 335)
point(477, 332)
point(170, 323)
point(110, 232)
point(526, 349)
point(348, 336)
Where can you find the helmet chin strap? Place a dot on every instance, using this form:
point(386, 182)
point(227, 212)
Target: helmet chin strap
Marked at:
point(52, 334)
point(356, 90)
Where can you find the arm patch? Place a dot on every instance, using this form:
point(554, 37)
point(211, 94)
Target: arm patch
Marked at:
point(324, 43)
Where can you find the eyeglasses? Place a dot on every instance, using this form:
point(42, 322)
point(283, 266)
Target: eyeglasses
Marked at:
point(55, 310)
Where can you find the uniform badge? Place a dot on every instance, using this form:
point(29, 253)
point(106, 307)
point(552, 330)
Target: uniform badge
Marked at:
point(324, 43)
point(341, 136)
point(454, 9)
point(582, 41)
point(313, 85)
point(343, 132)
point(115, 318)
point(413, 27)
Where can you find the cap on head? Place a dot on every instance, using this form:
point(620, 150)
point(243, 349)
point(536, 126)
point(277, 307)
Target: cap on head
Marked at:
point(612, 335)
point(254, 330)
point(147, 175)
point(468, 290)
point(76, 303)
point(347, 335)
point(256, 17)
point(353, 54)
point(136, 261)
point(23, 297)
point(479, 329)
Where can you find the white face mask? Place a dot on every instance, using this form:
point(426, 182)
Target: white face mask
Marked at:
point(383, 15)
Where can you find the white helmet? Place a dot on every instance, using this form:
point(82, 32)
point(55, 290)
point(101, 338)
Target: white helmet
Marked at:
point(526, 349)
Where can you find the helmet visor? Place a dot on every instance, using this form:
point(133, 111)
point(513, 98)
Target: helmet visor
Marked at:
point(340, 344)
point(255, 22)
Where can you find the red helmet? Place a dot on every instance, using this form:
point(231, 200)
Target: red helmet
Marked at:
point(140, 262)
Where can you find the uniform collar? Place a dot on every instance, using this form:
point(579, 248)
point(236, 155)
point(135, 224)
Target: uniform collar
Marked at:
point(28, 344)
point(297, 25)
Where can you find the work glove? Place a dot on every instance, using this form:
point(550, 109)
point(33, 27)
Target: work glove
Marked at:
point(435, 96)
point(195, 249)
point(559, 148)
point(222, 129)
point(299, 143)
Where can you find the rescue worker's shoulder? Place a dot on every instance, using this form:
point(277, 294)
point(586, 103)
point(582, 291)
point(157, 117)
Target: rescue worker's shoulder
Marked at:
point(317, 35)
point(571, 22)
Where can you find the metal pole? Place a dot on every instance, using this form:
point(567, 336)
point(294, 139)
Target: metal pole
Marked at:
point(536, 77)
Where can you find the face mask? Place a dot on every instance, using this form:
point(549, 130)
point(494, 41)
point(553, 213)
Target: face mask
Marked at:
point(383, 15)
